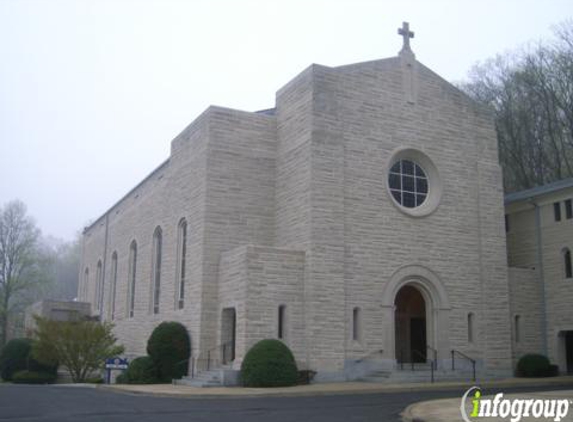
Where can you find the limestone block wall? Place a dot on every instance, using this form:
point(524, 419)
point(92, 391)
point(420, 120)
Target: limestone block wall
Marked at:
point(239, 207)
point(174, 191)
point(293, 163)
point(276, 277)
point(525, 303)
point(462, 241)
point(255, 281)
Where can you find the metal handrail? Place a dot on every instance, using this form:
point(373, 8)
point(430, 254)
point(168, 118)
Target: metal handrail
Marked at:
point(435, 352)
point(211, 358)
point(473, 361)
point(423, 356)
point(420, 354)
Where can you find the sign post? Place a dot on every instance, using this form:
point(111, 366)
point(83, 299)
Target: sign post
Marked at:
point(114, 364)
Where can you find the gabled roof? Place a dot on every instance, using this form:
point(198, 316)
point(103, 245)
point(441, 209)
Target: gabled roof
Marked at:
point(538, 191)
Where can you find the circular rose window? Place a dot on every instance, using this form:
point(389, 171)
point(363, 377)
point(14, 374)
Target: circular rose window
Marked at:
point(413, 182)
point(408, 183)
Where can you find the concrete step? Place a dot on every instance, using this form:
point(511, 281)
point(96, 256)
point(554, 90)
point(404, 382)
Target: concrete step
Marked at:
point(203, 379)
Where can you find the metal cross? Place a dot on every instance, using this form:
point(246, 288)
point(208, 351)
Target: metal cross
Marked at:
point(406, 35)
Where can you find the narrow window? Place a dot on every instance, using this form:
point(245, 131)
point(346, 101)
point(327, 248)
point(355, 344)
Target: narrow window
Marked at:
point(97, 293)
point(567, 263)
point(131, 278)
point(557, 210)
point(356, 329)
point(517, 328)
point(182, 252)
point(86, 284)
point(568, 209)
point(113, 283)
point(282, 316)
point(470, 327)
point(157, 243)
point(507, 223)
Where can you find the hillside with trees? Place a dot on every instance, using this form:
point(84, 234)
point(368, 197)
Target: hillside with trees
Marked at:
point(531, 94)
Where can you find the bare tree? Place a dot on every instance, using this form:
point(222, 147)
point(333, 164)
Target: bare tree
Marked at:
point(531, 94)
point(20, 266)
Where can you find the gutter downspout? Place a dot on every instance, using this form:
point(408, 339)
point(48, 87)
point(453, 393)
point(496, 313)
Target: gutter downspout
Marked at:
point(541, 276)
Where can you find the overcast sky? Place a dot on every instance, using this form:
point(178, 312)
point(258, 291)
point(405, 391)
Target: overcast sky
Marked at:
point(92, 92)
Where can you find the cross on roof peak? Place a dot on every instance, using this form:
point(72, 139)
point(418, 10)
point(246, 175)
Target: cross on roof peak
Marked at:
point(406, 35)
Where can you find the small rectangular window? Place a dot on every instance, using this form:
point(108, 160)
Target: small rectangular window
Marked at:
point(517, 328)
point(568, 209)
point(281, 324)
point(557, 210)
point(507, 223)
point(356, 324)
point(568, 266)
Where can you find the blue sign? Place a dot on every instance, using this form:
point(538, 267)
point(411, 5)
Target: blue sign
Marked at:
point(116, 363)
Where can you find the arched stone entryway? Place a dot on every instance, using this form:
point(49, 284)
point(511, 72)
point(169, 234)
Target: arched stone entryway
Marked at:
point(410, 325)
point(420, 284)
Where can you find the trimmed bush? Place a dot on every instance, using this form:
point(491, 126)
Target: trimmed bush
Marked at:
point(141, 370)
point(121, 378)
point(16, 356)
point(269, 363)
point(169, 346)
point(533, 365)
point(33, 377)
point(553, 371)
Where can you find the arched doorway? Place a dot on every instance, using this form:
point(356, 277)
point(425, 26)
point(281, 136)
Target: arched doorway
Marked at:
point(410, 325)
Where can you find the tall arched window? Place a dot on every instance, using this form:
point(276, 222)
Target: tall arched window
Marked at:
point(567, 263)
point(517, 328)
point(181, 258)
point(113, 284)
point(84, 292)
point(156, 269)
point(97, 293)
point(282, 322)
point(356, 324)
point(131, 279)
point(471, 323)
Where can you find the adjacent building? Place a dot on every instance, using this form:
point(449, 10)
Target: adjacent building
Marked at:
point(539, 226)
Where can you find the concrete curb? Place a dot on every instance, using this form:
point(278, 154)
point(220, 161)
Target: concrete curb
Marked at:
point(168, 390)
point(447, 410)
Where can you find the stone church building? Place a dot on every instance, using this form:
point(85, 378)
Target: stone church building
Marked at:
point(360, 220)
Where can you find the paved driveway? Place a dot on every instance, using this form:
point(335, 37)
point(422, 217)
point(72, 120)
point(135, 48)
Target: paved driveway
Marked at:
point(61, 404)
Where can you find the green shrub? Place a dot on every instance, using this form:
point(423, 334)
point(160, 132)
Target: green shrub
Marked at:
point(169, 346)
point(121, 378)
point(33, 377)
point(94, 380)
point(141, 370)
point(16, 356)
point(533, 365)
point(269, 363)
point(553, 371)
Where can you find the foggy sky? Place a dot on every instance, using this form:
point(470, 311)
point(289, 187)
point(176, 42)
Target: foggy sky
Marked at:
point(92, 92)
